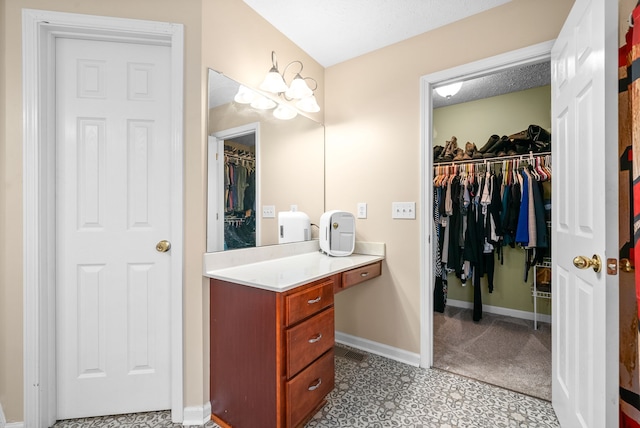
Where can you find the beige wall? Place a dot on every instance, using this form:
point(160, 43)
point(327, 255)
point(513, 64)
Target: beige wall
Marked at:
point(475, 121)
point(372, 113)
point(373, 151)
point(222, 34)
point(10, 337)
point(187, 13)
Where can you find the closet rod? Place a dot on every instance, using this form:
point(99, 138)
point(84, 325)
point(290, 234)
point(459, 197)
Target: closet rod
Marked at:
point(245, 157)
point(522, 157)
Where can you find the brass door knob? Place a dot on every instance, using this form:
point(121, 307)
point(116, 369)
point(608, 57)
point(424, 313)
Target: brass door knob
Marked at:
point(582, 262)
point(163, 246)
point(625, 265)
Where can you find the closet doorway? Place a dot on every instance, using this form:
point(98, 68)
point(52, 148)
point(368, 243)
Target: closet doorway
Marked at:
point(232, 192)
point(502, 347)
point(585, 319)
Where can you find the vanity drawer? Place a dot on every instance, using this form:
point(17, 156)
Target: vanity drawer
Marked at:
point(307, 302)
point(306, 391)
point(361, 274)
point(308, 340)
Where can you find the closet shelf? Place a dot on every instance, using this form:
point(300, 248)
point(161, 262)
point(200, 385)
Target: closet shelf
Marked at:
point(541, 294)
point(546, 262)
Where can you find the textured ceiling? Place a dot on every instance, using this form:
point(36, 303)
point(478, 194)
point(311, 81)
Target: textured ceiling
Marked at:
point(499, 83)
point(333, 31)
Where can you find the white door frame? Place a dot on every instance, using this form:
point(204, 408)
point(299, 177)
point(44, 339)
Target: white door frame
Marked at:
point(529, 55)
point(39, 30)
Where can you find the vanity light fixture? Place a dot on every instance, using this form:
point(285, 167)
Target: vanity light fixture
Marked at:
point(275, 82)
point(244, 95)
point(262, 103)
point(448, 91)
point(285, 112)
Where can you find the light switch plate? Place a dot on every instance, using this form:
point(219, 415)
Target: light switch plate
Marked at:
point(268, 211)
point(362, 210)
point(403, 210)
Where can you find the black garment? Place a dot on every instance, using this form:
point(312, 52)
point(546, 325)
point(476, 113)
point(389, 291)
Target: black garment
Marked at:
point(542, 240)
point(454, 260)
point(489, 262)
point(513, 212)
point(473, 245)
point(439, 291)
point(250, 191)
point(495, 209)
point(477, 296)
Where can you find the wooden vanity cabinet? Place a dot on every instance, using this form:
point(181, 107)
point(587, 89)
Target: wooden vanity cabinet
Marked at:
point(356, 276)
point(272, 361)
point(271, 353)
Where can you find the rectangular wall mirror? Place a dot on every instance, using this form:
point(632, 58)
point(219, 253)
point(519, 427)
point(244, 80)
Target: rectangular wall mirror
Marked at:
point(256, 163)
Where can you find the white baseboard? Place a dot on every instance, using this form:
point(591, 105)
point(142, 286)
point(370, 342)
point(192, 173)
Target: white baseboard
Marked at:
point(381, 349)
point(197, 415)
point(525, 315)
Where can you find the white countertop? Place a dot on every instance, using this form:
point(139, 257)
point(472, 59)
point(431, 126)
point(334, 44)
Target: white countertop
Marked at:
point(284, 273)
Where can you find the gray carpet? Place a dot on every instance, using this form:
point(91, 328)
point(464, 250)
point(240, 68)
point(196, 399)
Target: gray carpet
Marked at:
point(499, 350)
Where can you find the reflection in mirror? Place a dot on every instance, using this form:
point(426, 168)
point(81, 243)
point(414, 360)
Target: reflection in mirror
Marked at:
point(255, 161)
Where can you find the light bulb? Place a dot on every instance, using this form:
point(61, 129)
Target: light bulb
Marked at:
point(285, 112)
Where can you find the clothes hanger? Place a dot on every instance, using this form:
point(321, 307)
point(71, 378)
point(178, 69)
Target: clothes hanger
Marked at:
point(540, 170)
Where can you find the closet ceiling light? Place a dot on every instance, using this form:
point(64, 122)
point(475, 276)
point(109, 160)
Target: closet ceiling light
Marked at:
point(276, 83)
point(448, 91)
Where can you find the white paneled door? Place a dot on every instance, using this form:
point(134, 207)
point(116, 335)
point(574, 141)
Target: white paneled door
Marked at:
point(112, 210)
point(585, 217)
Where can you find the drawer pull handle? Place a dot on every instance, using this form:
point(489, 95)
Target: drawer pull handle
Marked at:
point(315, 339)
point(316, 385)
point(363, 274)
point(316, 300)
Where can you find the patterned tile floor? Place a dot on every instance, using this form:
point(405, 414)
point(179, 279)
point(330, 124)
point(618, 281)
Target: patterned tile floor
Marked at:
point(379, 392)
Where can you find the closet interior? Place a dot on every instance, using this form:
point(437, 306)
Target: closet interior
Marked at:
point(239, 195)
point(491, 222)
point(480, 208)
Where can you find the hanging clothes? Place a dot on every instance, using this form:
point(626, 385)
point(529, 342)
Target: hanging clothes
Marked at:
point(477, 212)
point(239, 191)
point(440, 278)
